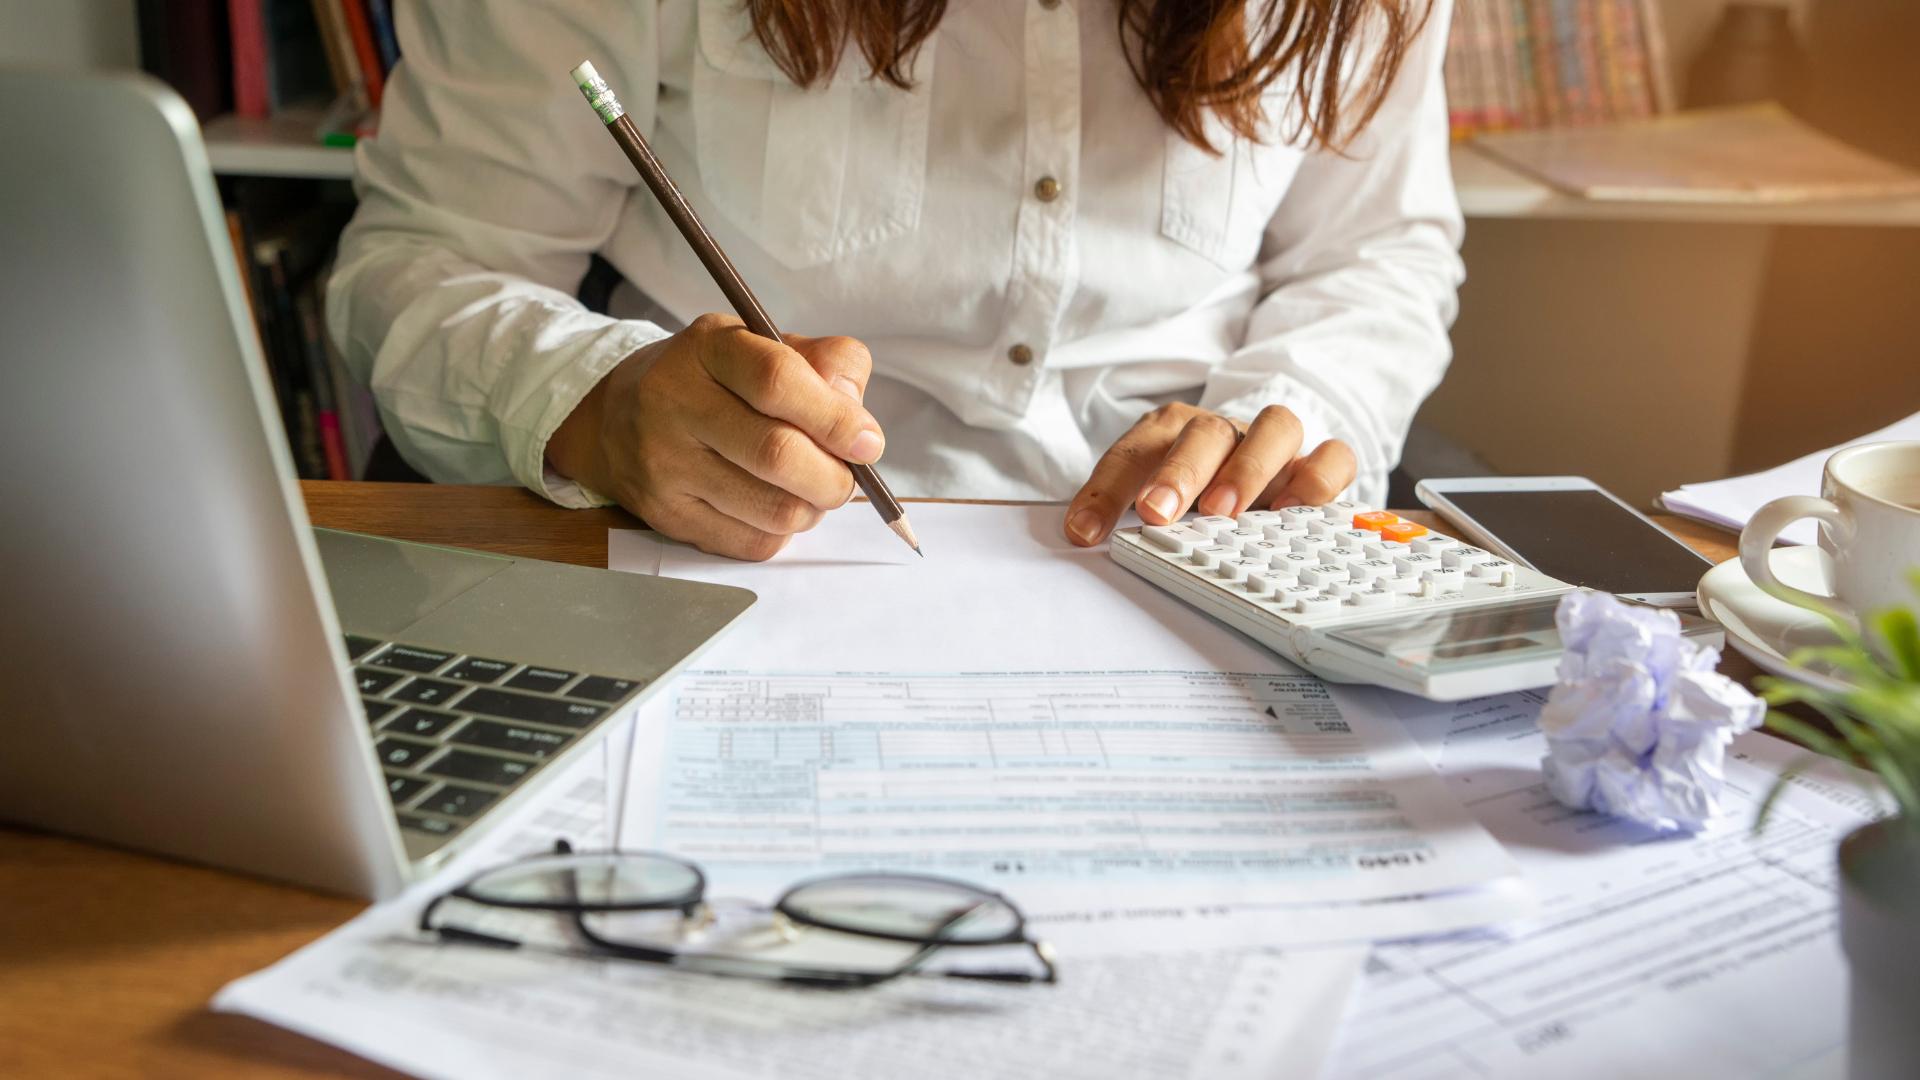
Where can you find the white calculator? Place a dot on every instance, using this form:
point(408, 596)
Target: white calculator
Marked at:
point(1355, 594)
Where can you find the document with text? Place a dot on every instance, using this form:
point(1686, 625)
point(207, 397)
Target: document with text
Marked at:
point(1652, 955)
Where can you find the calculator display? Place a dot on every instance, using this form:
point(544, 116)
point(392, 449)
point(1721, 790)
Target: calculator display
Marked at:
point(1459, 637)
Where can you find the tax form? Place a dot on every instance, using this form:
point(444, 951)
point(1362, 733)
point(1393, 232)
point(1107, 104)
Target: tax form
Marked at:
point(378, 990)
point(1715, 955)
point(1019, 711)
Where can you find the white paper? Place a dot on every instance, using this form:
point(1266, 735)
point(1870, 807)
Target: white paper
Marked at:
point(1730, 503)
point(376, 989)
point(1652, 956)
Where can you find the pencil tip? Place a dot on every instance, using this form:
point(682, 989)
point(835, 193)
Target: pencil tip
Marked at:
point(905, 532)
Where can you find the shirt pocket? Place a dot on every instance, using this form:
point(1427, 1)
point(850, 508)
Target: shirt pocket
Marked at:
point(814, 174)
point(1219, 205)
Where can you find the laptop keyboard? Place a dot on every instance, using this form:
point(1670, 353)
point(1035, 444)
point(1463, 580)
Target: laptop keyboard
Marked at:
point(455, 733)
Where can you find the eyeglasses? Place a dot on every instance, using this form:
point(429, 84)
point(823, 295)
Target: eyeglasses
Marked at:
point(844, 931)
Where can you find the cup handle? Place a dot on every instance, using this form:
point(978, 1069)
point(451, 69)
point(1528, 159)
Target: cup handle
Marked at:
point(1756, 542)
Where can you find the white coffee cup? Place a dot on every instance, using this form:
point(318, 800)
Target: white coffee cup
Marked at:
point(1869, 511)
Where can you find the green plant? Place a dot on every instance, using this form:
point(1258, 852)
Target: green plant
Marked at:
point(1876, 719)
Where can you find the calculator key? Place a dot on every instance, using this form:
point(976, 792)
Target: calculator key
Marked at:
point(1402, 531)
point(1354, 538)
point(1322, 576)
point(1385, 549)
point(373, 682)
point(1373, 520)
point(515, 737)
point(1254, 519)
point(1343, 510)
point(402, 788)
point(1371, 598)
point(1290, 596)
point(1236, 569)
point(1341, 555)
point(1444, 580)
point(1238, 537)
point(1168, 538)
point(1464, 557)
point(541, 680)
point(377, 710)
point(1215, 525)
point(1301, 514)
point(412, 658)
point(424, 723)
point(511, 706)
point(481, 768)
point(1284, 531)
point(456, 801)
point(1414, 563)
point(1433, 544)
point(436, 826)
point(1319, 604)
point(1264, 550)
point(1322, 527)
point(1311, 545)
point(1495, 570)
point(603, 688)
point(1403, 586)
point(1367, 570)
point(479, 669)
point(401, 754)
point(1264, 584)
point(358, 646)
point(1341, 589)
point(428, 692)
point(1211, 556)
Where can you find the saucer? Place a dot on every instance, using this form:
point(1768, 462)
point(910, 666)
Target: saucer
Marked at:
point(1765, 629)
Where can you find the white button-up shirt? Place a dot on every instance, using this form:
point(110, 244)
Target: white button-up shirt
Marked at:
point(1032, 255)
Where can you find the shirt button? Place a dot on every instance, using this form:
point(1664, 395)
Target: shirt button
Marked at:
point(1021, 355)
point(1046, 189)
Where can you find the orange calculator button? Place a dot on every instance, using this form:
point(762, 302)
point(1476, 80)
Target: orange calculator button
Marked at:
point(1373, 519)
point(1402, 531)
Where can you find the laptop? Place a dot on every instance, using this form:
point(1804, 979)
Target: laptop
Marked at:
point(188, 667)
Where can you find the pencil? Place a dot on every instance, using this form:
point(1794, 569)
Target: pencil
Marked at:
point(747, 305)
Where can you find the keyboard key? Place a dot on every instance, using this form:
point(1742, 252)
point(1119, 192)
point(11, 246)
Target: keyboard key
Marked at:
point(481, 768)
point(1385, 549)
point(412, 658)
point(1373, 520)
point(436, 826)
point(457, 801)
point(521, 740)
point(358, 646)
point(1402, 531)
point(603, 688)
point(1465, 557)
point(478, 669)
point(541, 680)
point(402, 788)
point(428, 692)
point(1215, 525)
point(377, 710)
point(513, 706)
point(401, 754)
point(424, 723)
point(373, 682)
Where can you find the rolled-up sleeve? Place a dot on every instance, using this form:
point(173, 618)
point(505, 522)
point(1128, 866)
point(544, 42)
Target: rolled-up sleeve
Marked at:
point(484, 195)
point(1360, 275)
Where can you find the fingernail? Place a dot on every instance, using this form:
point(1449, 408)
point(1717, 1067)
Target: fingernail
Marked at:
point(1085, 526)
point(1163, 501)
point(1222, 501)
point(847, 386)
point(867, 446)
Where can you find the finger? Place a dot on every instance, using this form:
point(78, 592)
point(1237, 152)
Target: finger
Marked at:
point(746, 498)
point(779, 454)
point(1270, 443)
point(695, 521)
point(1117, 478)
point(843, 362)
point(1203, 446)
point(775, 381)
point(1318, 477)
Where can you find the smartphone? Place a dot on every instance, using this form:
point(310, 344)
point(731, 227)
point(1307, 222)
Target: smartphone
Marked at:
point(1573, 529)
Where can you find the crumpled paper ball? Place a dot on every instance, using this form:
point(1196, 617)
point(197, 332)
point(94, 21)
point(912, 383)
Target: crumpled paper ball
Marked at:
point(1639, 722)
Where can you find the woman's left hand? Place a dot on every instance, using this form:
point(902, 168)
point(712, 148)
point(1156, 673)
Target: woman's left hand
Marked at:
point(1178, 453)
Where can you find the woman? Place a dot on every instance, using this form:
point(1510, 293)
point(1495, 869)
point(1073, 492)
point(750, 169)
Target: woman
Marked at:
point(1158, 253)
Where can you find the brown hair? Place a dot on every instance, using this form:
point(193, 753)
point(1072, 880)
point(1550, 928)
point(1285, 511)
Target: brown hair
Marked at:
point(1191, 57)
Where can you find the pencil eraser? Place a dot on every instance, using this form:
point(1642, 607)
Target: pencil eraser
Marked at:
point(598, 93)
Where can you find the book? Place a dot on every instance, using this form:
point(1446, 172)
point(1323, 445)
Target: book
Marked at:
point(380, 14)
point(297, 59)
point(184, 43)
point(1739, 155)
point(252, 82)
point(360, 29)
point(1526, 64)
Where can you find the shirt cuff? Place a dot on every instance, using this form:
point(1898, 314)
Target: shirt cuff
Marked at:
point(525, 442)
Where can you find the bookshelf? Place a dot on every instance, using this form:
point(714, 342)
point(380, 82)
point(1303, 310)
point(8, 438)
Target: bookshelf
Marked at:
point(285, 146)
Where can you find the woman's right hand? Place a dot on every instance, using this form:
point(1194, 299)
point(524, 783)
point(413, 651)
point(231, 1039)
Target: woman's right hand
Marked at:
point(724, 439)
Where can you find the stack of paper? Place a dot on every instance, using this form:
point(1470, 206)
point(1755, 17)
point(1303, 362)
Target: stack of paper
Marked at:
point(1730, 503)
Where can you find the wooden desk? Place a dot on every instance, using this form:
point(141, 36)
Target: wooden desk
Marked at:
point(108, 958)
